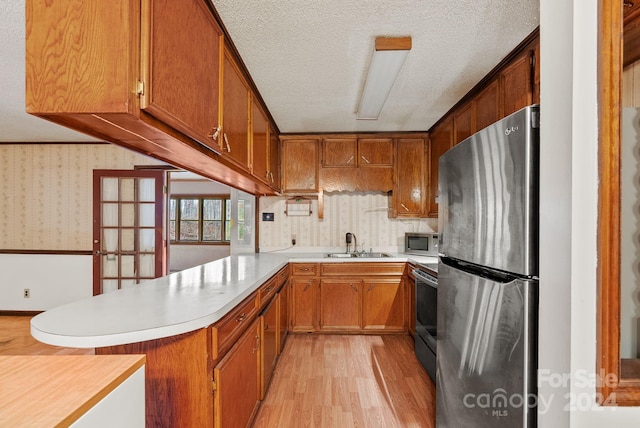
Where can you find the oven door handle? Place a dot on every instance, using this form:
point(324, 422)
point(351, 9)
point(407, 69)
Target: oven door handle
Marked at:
point(426, 278)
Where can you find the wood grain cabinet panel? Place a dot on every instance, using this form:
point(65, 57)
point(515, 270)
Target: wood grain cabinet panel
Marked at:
point(340, 304)
point(383, 304)
point(269, 344)
point(409, 198)
point(464, 122)
point(339, 152)
point(375, 152)
point(274, 159)
point(300, 163)
point(283, 316)
point(440, 140)
point(303, 304)
point(235, 113)
point(516, 83)
point(237, 381)
point(487, 104)
point(260, 167)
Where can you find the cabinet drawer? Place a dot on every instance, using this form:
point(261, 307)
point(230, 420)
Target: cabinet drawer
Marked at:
point(282, 276)
point(309, 269)
point(268, 290)
point(230, 327)
point(362, 269)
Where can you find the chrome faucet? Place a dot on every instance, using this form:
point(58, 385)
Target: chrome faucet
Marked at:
point(348, 238)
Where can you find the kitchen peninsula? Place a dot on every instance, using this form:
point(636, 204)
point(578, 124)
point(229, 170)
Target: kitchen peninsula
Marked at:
point(211, 334)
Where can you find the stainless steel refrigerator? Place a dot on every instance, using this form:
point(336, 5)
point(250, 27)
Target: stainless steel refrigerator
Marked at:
point(488, 277)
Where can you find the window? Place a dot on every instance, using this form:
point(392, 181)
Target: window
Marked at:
point(199, 219)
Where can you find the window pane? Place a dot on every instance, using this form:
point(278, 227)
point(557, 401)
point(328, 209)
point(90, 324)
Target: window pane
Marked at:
point(241, 211)
point(212, 231)
point(227, 230)
point(212, 209)
point(188, 230)
point(227, 209)
point(172, 230)
point(172, 209)
point(189, 209)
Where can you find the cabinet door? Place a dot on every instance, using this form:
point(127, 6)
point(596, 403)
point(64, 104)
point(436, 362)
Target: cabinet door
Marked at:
point(340, 304)
point(339, 152)
point(516, 82)
point(182, 77)
point(410, 198)
point(375, 152)
point(260, 144)
point(383, 304)
point(300, 166)
point(463, 122)
point(440, 141)
point(487, 102)
point(237, 377)
point(235, 112)
point(274, 159)
point(268, 344)
point(303, 304)
point(283, 316)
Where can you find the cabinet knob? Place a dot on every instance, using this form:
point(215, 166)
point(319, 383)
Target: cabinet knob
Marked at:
point(257, 348)
point(215, 133)
point(241, 318)
point(354, 288)
point(365, 159)
point(405, 207)
point(350, 159)
point(226, 141)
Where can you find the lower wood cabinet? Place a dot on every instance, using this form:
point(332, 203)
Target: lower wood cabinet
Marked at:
point(340, 303)
point(383, 304)
point(303, 317)
point(283, 316)
point(269, 344)
point(237, 386)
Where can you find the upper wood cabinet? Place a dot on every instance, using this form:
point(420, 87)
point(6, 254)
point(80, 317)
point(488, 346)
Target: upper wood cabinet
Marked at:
point(375, 152)
point(409, 196)
point(339, 152)
point(300, 163)
point(177, 71)
point(274, 159)
point(516, 83)
point(260, 144)
point(440, 140)
point(464, 122)
point(235, 112)
point(146, 75)
point(487, 105)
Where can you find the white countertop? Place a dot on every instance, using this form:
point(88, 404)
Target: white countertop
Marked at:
point(175, 304)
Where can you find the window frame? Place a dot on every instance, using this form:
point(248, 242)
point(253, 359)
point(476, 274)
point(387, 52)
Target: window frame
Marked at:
point(226, 205)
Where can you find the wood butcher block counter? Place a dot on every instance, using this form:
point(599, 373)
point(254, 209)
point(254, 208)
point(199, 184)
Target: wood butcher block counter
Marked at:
point(65, 390)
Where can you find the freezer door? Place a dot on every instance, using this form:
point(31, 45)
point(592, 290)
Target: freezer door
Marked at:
point(488, 196)
point(487, 351)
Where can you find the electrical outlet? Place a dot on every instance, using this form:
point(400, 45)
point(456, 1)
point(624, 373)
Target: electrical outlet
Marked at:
point(27, 293)
point(293, 239)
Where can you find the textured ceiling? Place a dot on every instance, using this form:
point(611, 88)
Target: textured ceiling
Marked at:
point(309, 58)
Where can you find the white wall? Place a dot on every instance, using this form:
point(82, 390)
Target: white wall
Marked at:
point(569, 185)
point(53, 280)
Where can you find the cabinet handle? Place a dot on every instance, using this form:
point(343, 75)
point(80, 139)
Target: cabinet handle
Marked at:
point(350, 160)
point(214, 135)
point(269, 288)
point(304, 269)
point(266, 326)
point(405, 207)
point(371, 287)
point(271, 174)
point(309, 284)
point(241, 318)
point(226, 141)
point(257, 348)
point(354, 288)
point(365, 159)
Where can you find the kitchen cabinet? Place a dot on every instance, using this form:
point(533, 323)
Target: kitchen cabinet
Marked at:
point(375, 152)
point(127, 72)
point(303, 288)
point(516, 83)
point(260, 141)
point(383, 304)
point(300, 163)
point(274, 159)
point(410, 288)
point(463, 122)
point(269, 344)
point(409, 196)
point(487, 104)
point(235, 112)
point(236, 377)
point(340, 304)
point(283, 315)
point(339, 152)
point(440, 140)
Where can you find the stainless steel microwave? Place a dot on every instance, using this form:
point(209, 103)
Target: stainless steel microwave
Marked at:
point(424, 244)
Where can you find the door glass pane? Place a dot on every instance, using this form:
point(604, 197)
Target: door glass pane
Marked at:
point(110, 240)
point(109, 189)
point(127, 266)
point(147, 190)
point(128, 215)
point(109, 285)
point(128, 240)
point(147, 265)
point(147, 240)
point(110, 215)
point(147, 215)
point(127, 189)
point(110, 266)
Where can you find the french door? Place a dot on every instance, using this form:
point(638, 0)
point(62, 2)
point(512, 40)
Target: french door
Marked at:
point(129, 244)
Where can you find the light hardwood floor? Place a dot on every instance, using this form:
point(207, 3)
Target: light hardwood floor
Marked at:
point(348, 381)
point(320, 380)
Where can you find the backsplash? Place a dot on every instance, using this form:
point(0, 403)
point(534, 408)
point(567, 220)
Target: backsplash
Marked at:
point(363, 214)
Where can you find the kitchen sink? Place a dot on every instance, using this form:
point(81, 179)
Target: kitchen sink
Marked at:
point(358, 255)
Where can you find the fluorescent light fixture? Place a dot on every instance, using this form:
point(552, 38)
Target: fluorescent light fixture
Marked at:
point(385, 65)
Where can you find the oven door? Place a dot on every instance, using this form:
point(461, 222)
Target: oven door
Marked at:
point(426, 318)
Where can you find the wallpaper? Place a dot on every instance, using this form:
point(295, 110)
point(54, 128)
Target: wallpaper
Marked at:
point(46, 192)
point(363, 214)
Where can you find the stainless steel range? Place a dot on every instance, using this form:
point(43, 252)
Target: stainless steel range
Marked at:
point(426, 315)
